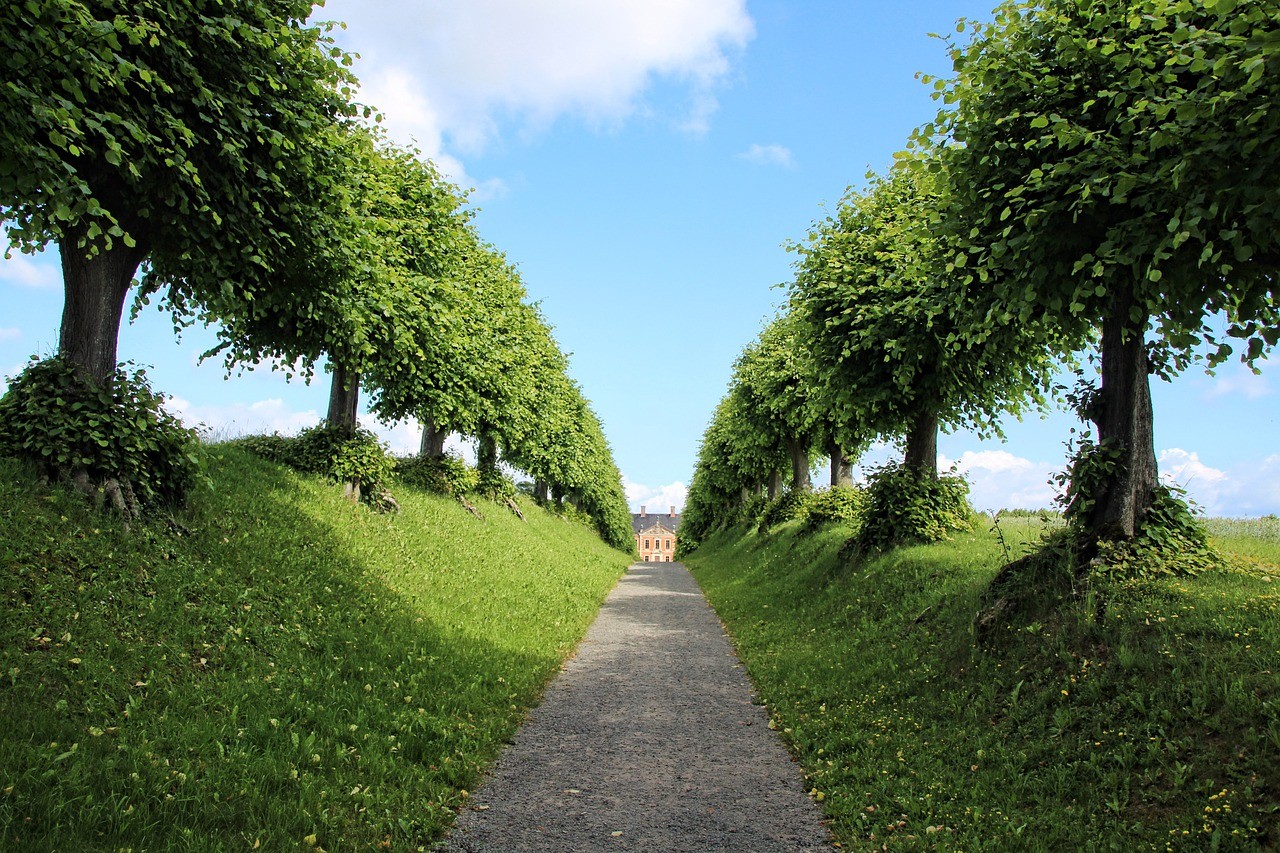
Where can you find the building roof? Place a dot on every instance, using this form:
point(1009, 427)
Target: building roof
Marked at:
point(646, 521)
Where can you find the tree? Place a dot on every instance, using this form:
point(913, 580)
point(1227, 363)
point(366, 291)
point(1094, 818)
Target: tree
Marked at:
point(888, 327)
point(190, 135)
point(1113, 165)
point(776, 397)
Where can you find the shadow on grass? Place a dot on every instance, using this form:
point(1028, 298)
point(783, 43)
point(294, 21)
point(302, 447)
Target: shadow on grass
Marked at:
point(239, 678)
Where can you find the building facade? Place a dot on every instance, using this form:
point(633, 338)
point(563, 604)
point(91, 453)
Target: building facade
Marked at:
point(656, 535)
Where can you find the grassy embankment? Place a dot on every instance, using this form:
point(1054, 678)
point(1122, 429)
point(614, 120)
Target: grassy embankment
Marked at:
point(1144, 715)
point(282, 670)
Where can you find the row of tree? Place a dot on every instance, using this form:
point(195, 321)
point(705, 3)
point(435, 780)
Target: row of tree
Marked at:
point(214, 155)
point(1100, 178)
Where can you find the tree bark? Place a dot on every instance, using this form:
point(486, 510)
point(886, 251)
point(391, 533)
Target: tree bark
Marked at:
point(433, 437)
point(775, 484)
point(94, 288)
point(540, 491)
point(841, 468)
point(344, 398)
point(922, 445)
point(486, 454)
point(800, 479)
point(1124, 420)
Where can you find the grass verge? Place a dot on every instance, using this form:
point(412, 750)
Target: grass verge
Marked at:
point(276, 668)
point(1140, 715)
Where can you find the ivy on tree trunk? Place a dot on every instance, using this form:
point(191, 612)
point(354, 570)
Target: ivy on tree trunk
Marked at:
point(486, 454)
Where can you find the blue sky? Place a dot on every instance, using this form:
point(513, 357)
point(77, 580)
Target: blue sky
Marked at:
point(644, 162)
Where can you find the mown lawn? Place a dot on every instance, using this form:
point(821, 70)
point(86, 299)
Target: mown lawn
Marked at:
point(275, 668)
point(1137, 716)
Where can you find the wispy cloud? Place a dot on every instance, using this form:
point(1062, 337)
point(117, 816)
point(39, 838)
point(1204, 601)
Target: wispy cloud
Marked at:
point(11, 333)
point(769, 155)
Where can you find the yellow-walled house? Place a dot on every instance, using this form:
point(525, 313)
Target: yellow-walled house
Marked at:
point(655, 535)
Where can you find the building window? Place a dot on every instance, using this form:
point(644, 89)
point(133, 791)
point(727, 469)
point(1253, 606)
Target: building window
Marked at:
point(668, 544)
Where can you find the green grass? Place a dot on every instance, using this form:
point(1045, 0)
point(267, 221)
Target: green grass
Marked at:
point(278, 669)
point(1252, 541)
point(1140, 716)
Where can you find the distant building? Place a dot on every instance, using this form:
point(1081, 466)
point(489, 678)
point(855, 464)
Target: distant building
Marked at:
point(656, 535)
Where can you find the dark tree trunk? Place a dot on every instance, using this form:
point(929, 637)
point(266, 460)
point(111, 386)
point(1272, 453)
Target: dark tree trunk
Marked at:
point(800, 479)
point(841, 468)
point(95, 289)
point(557, 496)
point(775, 484)
point(540, 491)
point(922, 445)
point(1124, 420)
point(344, 398)
point(433, 437)
point(486, 454)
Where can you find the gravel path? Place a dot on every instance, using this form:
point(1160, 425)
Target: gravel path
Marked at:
point(648, 740)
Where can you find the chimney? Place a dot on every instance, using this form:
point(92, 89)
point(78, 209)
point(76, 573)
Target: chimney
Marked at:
point(673, 512)
point(642, 512)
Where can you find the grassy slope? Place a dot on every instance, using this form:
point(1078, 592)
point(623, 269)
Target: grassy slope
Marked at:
point(288, 670)
point(1143, 717)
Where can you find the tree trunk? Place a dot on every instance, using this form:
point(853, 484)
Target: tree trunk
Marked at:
point(95, 289)
point(540, 491)
point(486, 454)
point(922, 445)
point(841, 468)
point(433, 437)
point(344, 398)
point(1124, 421)
point(800, 479)
point(775, 484)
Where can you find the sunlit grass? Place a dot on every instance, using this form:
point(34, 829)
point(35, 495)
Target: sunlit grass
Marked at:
point(277, 668)
point(1142, 715)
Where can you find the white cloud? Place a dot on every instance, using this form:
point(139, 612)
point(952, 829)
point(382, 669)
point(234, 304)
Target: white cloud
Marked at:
point(655, 499)
point(450, 74)
point(10, 334)
point(1000, 480)
point(769, 155)
point(1238, 381)
point(37, 273)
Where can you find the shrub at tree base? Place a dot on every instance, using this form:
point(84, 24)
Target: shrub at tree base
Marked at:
point(445, 475)
point(904, 507)
point(347, 457)
point(838, 503)
point(115, 442)
point(1169, 539)
point(784, 508)
point(495, 485)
